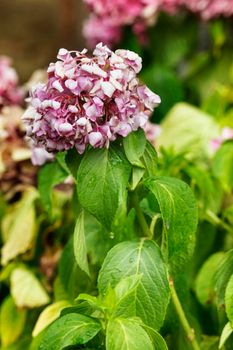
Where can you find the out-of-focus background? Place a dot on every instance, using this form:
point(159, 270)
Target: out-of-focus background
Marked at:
point(32, 31)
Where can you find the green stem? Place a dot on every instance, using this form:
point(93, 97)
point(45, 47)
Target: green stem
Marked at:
point(140, 216)
point(190, 333)
point(214, 219)
point(154, 221)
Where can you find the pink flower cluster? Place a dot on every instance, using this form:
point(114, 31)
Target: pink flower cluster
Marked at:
point(109, 17)
point(208, 9)
point(10, 92)
point(89, 101)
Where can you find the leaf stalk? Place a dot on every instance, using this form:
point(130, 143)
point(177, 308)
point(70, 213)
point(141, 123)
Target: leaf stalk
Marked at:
point(189, 331)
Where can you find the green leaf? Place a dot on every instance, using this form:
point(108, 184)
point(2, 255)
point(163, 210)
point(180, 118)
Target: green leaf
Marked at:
point(118, 301)
point(179, 213)
point(226, 333)
point(71, 329)
point(126, 334)
point(26, 289)
point(137, 174)
point(61, 159)
point(102, 180)
point(150, 160)
point(21, 227)
point(80, 250)
point(12, 322)
point(222, 165)
point(149, 299)
point(126, 286)
point(222, 276)
point(187, 129)
point(208, 189)
point(49, 176)
point(209, 342)
point(204, 285)
point(134, 146)
point(87, 297)
point(59, 290)
point(48, 315)
point(98, 241)
point(157, 340)
point(73, 159)
point(229, 300)
point(72, 278)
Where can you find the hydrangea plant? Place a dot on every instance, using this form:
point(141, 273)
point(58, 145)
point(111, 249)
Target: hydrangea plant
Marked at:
point(92, 113)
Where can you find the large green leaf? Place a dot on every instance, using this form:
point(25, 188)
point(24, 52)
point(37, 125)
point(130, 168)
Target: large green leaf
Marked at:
point(49, 176)
point(229, 300)
point(127, 334)
point(134, 146)
point(48, 315)
point(19, 227)
point(26, 289)
point(222, 165)
point(222, 276)
point(226, 333)
point(157, 340)
point(102, 179)
point(209, 342)
point(12, 322)
point(71, 329)
point(187, 129)
point(204, 285)
point(72, 278)
point(150, 160)
point(208, 189)
point(80, 249)
point(150, 297)
point(73, 159)
point(179, 213)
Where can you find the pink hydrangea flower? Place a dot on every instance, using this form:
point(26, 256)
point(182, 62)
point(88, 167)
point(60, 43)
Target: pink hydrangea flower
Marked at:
point(108, 17)
point(10, 92)
point(98, 29)
point(208, 9)
point(89, 101)
point(40, 156)
point(170, 6)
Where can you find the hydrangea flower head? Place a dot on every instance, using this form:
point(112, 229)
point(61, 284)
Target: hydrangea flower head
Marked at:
point(89, 101)
point(210, 8)
point(10, 92)
point(108, 18)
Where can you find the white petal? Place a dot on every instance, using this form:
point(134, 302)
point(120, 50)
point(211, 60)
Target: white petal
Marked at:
point(108, 88)
point(56, 85)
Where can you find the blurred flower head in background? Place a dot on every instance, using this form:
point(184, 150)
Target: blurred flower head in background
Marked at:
point(210, 8)
point(16, 170)
point(88, 101)
point(10, 92)
point(108, 18)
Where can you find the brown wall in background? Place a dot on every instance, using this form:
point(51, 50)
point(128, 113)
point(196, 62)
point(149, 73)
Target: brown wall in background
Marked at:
point(31, 31)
